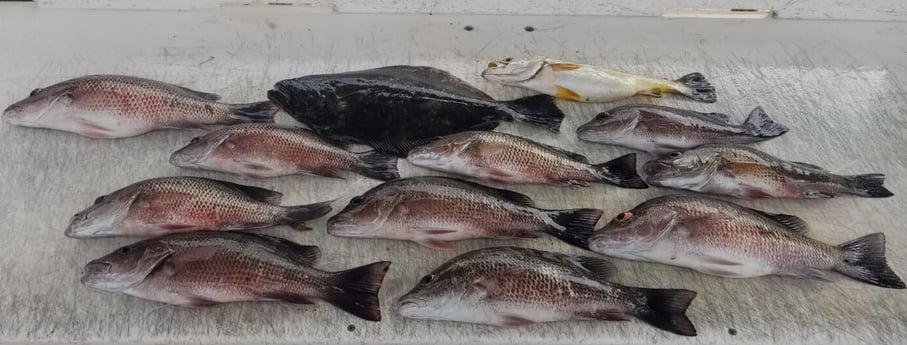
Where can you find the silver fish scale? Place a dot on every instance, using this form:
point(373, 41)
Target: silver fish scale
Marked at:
point(740, 230)
point(527, 277)
point(210, 198)
point(305, 148)
point(152, 101)
point(525, 155)
point(466, 201)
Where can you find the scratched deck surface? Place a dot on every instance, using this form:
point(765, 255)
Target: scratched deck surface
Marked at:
point(839, 86)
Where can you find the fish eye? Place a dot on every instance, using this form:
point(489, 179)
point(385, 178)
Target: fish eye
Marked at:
point(623, 217)
point(194, 140)
point(492, 64)
point(100, 199)
point(124, 250)
point(428, 279)
point(34, 92)
point(508, 59)
point(356, 201)
point(674, 154)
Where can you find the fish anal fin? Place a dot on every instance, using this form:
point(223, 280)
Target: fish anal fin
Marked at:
point(809, 273)
point(435, 231)
point(572, 155)
point(178, 227)
point(196, 301)
point(719, 272)
point(806, 165)
point(651, 93)
point(288, 297)
point(436, 243)
point(510, 320)
point(203, 95)
point(255, 193)
point(602, 315)
point(723, 118)
point(565, 93)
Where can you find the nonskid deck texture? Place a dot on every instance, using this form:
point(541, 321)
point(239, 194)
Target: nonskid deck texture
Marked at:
point(838, 86)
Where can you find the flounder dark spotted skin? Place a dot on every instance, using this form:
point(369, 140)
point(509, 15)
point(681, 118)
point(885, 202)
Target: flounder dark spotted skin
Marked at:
point(395, 108)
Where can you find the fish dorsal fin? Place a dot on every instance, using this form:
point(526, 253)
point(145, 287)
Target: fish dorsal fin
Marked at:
point(723, 118)
point(439, 78)
point(598, 269)
point(514, 197)
point(806, 165)
point(793, 223)
point(199, 94)
point(254, 193)
point(572, 155)
point(308, 255)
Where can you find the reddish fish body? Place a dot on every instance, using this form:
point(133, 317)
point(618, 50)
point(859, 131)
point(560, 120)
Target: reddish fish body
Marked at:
point(180, 204)
point(203, 269)
point(115, 106)
point(267, 150)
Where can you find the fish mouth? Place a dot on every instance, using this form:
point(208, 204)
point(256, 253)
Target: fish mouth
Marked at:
point(93, 269)
point(657, 168)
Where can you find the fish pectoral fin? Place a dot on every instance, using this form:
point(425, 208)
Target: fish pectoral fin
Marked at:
point(289, 297)
point(565, 93)
point(651, 93)
point(792, 223)
point(436, 243)
point(719, 272)
point(510, 320)
point(602, 315)
point(202, 253)
point(330, 174)
point(576, 183)
point(815, 194)
point(435, 231)
point(719, 261)
point(755, 193)
point(255, 193)
point(809, 273)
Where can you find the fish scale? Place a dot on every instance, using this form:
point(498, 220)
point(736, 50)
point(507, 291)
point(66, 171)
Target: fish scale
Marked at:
point(435, 210)
point(720, 238)
point(116, 106)
point(179, 204)
point(268, 150)
point(509, 286)
point(204, 269)
point(505, 158)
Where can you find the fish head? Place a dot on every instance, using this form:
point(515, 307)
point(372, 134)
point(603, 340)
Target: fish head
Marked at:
point(609, 126)
point(443, 154)
point(103, 217)
point(634, 231)
point(513, 71)
point(303, 101)
point(444, 294)
point(364, 215)
point(199, 151)
point(40, 104)
point(682, 169)
point(125, 267)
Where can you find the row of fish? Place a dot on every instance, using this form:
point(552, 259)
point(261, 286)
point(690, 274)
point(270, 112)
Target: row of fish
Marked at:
point(499, 286)
point(502, 286)
point(709, 235)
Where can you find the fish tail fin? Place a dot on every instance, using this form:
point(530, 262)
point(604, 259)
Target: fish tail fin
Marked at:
point(575, 226)
point(378, 165)
point(254, 112)
point(695, 86)
point(621, 172)
point(759, 124)
point(864, 260)
point(868, 185)
point(296, 216)
point(539, 110)
point(356, 290)
point(666, 309)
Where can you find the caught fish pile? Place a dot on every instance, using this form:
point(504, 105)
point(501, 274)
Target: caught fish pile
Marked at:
point(198, 255)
